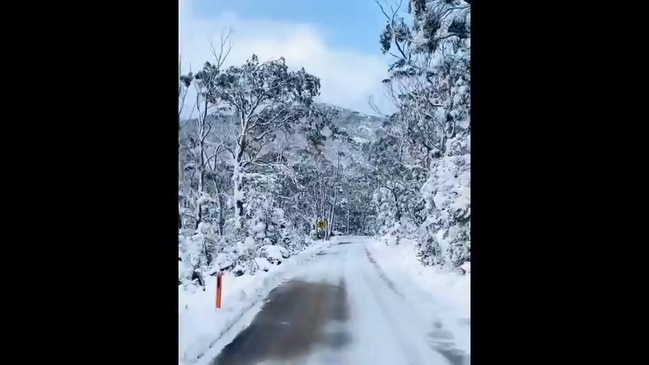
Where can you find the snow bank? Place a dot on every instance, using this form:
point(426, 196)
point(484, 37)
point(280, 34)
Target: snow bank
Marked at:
point(439, 297)
point(278, 253)
point(200, 324)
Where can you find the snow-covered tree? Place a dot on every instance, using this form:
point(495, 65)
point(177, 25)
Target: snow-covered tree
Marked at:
point(430, 86)
point(198, 183)
point(264, 99)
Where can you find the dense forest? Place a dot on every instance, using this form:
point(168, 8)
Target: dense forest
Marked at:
point(261, 163)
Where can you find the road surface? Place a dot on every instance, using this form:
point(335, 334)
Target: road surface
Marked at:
point(340, 310)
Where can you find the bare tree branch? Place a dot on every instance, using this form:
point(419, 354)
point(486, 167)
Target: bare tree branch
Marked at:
point(373, 106)
point(225, 46)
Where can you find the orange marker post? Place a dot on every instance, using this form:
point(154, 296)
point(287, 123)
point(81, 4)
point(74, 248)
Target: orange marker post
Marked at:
point(218, 289)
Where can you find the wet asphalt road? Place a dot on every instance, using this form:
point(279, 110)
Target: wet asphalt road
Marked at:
point(293, 320)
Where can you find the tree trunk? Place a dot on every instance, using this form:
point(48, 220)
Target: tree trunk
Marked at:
point(202, 135)
point(221, 217)
point(348, 220)
point(237, 177)
point(199, 215)
point(221, 203)
point(396, 204)
point(208, 256)
point(238, 197)
point(332, 212)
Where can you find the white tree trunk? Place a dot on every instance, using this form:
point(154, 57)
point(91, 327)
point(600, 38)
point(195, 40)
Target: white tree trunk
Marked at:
point(237, 176)
point(332, 212)
point(238, 195)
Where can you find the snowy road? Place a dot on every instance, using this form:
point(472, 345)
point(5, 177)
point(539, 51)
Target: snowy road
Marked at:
point(341, 308)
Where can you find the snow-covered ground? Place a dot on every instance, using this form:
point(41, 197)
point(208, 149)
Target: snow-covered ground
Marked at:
point(436, 296)
point(200, 324)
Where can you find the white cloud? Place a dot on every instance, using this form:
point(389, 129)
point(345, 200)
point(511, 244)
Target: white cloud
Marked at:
point(347, 77)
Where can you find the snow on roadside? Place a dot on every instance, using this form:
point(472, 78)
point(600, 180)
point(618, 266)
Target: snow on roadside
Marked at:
point(200, 324)
point(437, 296)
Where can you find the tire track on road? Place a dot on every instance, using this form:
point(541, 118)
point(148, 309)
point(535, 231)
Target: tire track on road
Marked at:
point(382, 275)
point(410, 354)
point(439, 339)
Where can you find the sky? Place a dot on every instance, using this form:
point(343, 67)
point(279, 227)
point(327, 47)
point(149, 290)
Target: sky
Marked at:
point(336, 40)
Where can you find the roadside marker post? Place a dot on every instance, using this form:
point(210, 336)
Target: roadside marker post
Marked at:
point(219, 287)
